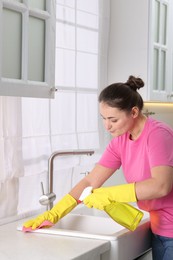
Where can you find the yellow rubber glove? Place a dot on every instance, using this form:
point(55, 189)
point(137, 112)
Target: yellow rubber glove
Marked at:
point(63, 207)
point(102, 197)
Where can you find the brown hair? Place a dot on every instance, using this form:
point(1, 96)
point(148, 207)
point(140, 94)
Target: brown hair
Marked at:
point(123, 96)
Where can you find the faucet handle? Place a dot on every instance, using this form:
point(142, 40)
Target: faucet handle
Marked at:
point(42, 188)
point(85, 173)
point(48, 198)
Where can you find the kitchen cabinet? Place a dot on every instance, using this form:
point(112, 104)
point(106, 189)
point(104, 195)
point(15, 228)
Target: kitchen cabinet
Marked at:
point(145, 256)
point(141, 45)
point(160, 51)
point(27, 48)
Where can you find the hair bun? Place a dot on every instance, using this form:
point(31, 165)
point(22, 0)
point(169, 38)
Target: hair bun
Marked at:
point(134, 83)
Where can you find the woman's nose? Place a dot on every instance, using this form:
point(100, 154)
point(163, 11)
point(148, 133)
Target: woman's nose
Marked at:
point(107, 125)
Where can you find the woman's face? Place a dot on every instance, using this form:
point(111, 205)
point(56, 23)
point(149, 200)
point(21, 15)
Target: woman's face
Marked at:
point(116, 122)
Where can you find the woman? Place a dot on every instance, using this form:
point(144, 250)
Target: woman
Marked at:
point(144, 149)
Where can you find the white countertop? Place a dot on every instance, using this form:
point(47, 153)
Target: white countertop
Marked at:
point(16, 245)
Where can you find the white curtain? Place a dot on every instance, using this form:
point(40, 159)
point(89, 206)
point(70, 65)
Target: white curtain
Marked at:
point(11, 163)
point(31, 129)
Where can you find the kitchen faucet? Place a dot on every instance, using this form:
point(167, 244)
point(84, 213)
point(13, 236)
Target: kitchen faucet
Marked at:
point(47, 199)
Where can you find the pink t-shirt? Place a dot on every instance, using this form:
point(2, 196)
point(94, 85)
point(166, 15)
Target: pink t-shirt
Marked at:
point(153, 148)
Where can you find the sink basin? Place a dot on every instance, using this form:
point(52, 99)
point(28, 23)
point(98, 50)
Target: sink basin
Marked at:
point(95, 224)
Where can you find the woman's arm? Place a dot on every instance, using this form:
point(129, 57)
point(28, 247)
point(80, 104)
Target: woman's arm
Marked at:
point(95, 178)
point(159, 185)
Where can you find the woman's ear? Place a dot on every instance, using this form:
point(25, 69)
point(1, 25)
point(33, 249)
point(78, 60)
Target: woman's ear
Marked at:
point(135, 112)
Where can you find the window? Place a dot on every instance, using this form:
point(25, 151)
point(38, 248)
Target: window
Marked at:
point(27, 48)
point(77, 71)
point(31, 128)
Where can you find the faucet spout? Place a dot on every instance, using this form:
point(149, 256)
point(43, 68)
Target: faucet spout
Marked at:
point(50, 169)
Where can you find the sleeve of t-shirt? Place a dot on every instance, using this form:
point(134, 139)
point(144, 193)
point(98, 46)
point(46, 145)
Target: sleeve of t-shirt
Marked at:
point(160, 147)
point(110, 157)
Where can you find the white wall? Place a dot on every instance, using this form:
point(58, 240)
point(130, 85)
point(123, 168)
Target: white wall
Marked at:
point(162, 111)
point(128, 49)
